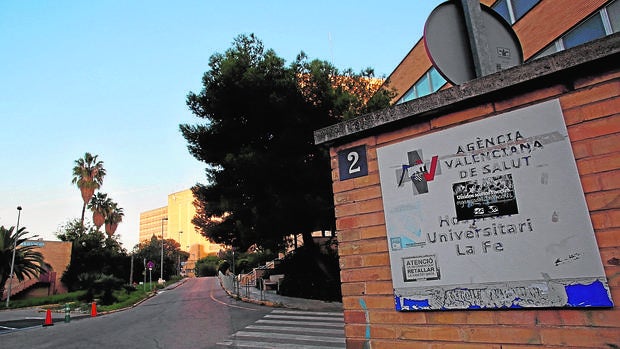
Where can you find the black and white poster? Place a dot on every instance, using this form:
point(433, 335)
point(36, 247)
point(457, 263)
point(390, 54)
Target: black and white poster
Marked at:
point(485, 197)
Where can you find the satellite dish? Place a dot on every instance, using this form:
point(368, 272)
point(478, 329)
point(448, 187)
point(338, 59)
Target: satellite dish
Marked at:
point(448, 46)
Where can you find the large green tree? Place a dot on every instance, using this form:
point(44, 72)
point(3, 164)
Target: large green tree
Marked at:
point(266, 178)
point(28, 263)
point(150, 250)
point(88, 175)
point(92, 253)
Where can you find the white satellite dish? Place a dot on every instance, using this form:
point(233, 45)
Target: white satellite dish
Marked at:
point(448, 44)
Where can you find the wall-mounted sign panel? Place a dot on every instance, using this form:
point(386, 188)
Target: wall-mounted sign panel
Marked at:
point(352, 162)
point(491, 214)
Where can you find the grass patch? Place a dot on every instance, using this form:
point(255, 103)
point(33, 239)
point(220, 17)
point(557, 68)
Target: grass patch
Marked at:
point(123, 297)
point(70, 297)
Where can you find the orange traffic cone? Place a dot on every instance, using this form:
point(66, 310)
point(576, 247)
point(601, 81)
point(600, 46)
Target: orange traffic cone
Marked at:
point(93, 309)
point(48, 318)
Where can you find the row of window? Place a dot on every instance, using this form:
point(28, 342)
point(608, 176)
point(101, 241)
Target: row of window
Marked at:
point(604, 22)
point(430, 82)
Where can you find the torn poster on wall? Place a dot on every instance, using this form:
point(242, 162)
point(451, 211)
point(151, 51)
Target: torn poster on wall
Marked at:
point(489, 215)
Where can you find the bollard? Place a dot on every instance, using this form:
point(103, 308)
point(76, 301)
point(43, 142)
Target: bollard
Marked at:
point(93, 309)
point(67, 313)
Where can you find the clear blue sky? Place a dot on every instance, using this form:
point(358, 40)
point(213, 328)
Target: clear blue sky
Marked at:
point(111, 77)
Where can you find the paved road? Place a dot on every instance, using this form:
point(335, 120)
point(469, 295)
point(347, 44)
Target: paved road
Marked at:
point(197, 314)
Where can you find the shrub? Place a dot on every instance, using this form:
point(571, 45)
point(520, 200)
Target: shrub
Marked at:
point(310, 273)
point(99, 286)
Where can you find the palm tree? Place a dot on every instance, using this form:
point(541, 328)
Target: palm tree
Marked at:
point(100, 205)
point(88, 174)
point(113, 217)
point(28, 262)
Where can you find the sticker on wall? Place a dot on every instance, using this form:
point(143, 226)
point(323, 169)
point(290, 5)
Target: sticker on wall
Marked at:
point(490, 215)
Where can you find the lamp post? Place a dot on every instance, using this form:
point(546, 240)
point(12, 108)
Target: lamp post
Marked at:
point(161, 266)
point(233, 261)
point(8, 297)
point(179, 255)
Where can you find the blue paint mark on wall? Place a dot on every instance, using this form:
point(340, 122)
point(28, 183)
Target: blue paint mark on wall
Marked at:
point(411, 304)
point(363, 305)
point(397, 305)
point(416, 303)
point(592, 295)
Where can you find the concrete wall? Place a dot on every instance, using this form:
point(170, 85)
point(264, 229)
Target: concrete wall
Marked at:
point(151, 223)
point(586, 81)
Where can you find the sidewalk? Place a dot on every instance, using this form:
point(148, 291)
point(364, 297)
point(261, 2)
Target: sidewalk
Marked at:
point(26, 313)
point(38, 313)
point(271, 298)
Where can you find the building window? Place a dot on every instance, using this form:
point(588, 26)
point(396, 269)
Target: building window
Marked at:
point(589, 30)
point(520, 7)
point(501, 7)
point(602, 23)
point(423, 86)
point(430, 82)
point(513, 10)
point(437, 81)
point(613, 15)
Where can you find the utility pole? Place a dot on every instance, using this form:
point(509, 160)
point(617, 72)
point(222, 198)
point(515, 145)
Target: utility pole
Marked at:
point(478, 42)
point(131, 272)
point(8, 296)
point(161, 265)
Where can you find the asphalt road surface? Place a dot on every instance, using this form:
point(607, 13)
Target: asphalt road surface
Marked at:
point(197, 314)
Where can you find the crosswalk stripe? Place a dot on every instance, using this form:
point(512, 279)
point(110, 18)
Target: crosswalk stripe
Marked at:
point(288, 328)
point(300, 312)
point(299, 337)
point(302, 323)
point(270, 345)
point(314, 318)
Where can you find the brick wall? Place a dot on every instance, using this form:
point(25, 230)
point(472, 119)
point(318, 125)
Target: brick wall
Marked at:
point(55, 253)
point(58, 255)
point(589, 97)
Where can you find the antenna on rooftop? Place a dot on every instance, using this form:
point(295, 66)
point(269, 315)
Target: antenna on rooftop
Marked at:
point(331, 47)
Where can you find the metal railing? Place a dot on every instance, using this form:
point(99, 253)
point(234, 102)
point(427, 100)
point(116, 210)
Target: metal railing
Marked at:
point(18, 287)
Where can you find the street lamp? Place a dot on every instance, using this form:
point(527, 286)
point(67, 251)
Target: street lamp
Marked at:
point(161, 266)
point(179, 254)
point(8, 297)
point(233, 260)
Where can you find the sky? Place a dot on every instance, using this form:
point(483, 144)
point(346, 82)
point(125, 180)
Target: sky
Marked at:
point(111, 77)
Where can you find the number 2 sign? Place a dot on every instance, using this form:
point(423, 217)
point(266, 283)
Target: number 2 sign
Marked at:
point(352, 162)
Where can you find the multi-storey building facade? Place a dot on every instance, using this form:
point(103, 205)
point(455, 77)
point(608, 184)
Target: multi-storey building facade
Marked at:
point(175, 222)
point(542, 26)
